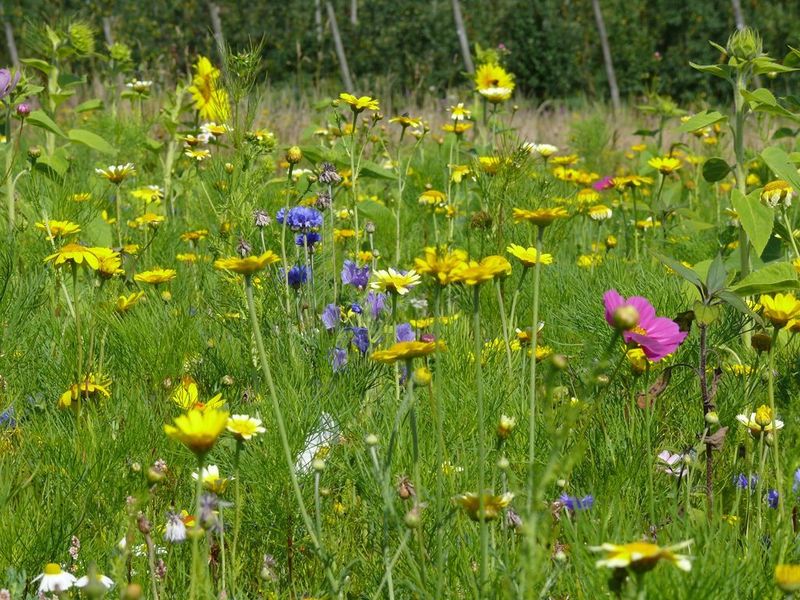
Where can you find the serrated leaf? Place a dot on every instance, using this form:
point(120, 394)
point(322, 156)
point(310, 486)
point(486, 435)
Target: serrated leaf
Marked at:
point(701, 120)
point(774, 277)
point(756, 219)
point(780, 163)
point(39, 118)
point(715, 169)
point(92, 140)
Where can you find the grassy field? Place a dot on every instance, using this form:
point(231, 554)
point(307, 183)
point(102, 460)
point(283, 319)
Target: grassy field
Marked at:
point(404, 311)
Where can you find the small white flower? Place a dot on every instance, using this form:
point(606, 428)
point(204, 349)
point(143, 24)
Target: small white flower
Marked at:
point(106, 582)
point(54, 579)
point(176, 529)
point(317, 444)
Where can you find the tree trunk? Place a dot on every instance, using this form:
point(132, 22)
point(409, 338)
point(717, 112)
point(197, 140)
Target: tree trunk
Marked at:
point(347, 79)
point(216, 25)
point(737, 14)
point(462, 37)
point(354, 12)
point(107, 31)
point(10, 42)
point(609, 64)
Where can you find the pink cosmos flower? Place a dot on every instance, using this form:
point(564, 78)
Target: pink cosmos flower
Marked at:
point(603, 184)
point(657, 336)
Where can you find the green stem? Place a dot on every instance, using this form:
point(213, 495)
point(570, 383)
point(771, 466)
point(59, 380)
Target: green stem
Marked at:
point(532, 389)
point(484, 531)
point(196, 534)
point(237, 521)
point(775, 431)
point(276, 409)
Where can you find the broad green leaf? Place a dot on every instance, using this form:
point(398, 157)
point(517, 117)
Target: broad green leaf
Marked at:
point(682, 270)
point(370, 169)
point(734, 301)
point(378, 213)
point(717, 275)
point(701, 120)
point(54, 167)
point(715, 169)
point(784, 132)
point(89, 105)
point(92, 140)
point(774, 277)
point(780, 163)
point(39, 118)
point(767, 65)
point(153, 145)
point(756, 219)
point(762, 100)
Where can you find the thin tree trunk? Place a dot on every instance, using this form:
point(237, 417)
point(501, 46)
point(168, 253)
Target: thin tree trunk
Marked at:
point(318, 29)
point(609, 64)
point(462, 37)
point(10, 42)
point(354, 12)
point(337, 42)
point(216, 25)
point(107, 31)
point(737, 14)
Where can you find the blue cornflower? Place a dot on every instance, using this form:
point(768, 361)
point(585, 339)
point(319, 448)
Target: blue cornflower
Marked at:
point(796, 484)
point(300, 218)
point(574, 503)
point(338, 359)
point(354, 275)
point(331, 317)
point(297, 275)
point(742, 482)
point(356, 308)
point(376, 302)
point(404, 333)
point(307, 239)
point(8, 418)
point(772, 498)
point(360, 339)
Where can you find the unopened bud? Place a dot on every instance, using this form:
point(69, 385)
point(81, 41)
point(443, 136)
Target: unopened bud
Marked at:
point(505, 426)
point(626, 317)
point(560, 362)
point(371, 440)
point(23, 110)
point(294, 155)
point(132, 592)
point(229, 168)
point(413, 518)
point(318, 465)
point(422, 376)
point(761, 342)
point(712, 418)
point(503, 463)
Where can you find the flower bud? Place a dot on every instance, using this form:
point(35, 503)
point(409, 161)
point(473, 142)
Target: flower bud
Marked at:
point(413, 518)
point(318, 465)
point(369, 227)
point(132, 592)
point(505, 427)
point(503, 463)
point(712, 418)
point(405, 489)
point(371, 440)
point(560, 362)
point(229, 168)
point(136, 467)
point(34, 152)
point(761, 342)
point(155, 475)
point(421, 376)
point(745, 44)
point(294, 155)
point(626, 317)
point(23, 110)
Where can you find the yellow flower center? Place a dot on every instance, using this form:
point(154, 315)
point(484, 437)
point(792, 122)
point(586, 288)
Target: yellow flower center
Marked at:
point(52, 569)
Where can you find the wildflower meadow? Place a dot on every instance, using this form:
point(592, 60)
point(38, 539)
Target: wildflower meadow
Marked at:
point(331, 344)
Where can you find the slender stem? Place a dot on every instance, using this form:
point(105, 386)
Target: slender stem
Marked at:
point(512, 318)
point(790, 231)
point(237, 521)
point(276, 409)
point(484, 531)
point(775, 432)
point(708, 406)
point(78, 341)
point(537, 268)
point(196, 534)
point(504, 324)
point(118, 222)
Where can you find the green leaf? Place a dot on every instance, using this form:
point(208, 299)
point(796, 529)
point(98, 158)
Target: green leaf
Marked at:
point(701, 120)
point(767, 65)
point(715, 169)
point(370, 169)
point(92, 140)
point(375, 212)
point(756, 219)
point(775, 277)
point(721, 71)
point(735, 302)
point(717, 275)
point(682, 270)
point(39, 118)
point(38, 64)
point(762, 100)
point(153, 145)
point(53, 167)
point(89, 105)
point(784, 132)
point(646, 132)
point(780, 163)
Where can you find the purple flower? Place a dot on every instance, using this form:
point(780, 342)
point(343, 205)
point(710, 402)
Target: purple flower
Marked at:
point(360, 339)
point(376, 303)
point(772, 498)
point(297, 275)
point(8, 419)
point(7, 82)
point(672, 464)
point(743, 483)
point(330, 317)
point(338, 359)
point(307, 239)
point(574, 503)
point(328, 174)
point(796, 484)
point(636, 318)
point(356, 308)
point(354, 275)
point(404, 333)
point(261, 218)
point(300, 218)
point(23, 109)
point(605, 183)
